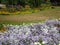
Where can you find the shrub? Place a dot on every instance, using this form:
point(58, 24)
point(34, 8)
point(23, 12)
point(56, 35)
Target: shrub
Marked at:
point(36, 10)
point(45, 6)
point(27, 7)
point(26, 12)
point(4, 13)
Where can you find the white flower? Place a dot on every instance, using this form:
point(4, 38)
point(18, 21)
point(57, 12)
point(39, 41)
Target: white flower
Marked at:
point(24, 24)
point(10, 25)
point(59, 44)
point(27, 33)
point(31, 24)
point(45, 30)
point(44, 42)
point(37, 43)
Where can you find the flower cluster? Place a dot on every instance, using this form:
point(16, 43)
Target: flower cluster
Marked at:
point(36, 34)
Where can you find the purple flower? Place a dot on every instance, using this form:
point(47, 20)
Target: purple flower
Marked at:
point(32, 43)
point(45, 33)
point(35, 38)
point(0, 43)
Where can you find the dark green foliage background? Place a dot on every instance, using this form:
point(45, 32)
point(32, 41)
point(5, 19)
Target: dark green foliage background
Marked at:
point(31, 3)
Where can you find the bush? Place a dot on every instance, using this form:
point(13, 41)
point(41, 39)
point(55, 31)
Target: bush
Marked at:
point(25, 12)
point(45, 6)
point(4, 13)
point(27, 7)
point(36, 10)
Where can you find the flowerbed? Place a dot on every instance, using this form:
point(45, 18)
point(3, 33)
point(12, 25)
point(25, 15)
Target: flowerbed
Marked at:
point(47, 33)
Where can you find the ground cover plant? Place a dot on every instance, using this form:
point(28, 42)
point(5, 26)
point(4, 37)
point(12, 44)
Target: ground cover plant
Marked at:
point(47, 33)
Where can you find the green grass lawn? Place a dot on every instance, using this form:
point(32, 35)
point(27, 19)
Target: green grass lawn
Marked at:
point(31, 18)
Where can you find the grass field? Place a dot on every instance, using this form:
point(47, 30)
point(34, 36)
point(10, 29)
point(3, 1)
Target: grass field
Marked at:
point(29, 18)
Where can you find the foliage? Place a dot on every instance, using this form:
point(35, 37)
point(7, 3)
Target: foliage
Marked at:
point(4, 13)
point(13, 11)
point(45, 6)
point(1, 26)
point(31, 3)
point(24, 6)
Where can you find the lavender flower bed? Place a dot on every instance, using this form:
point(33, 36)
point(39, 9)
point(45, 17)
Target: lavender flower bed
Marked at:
point(47, 33)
